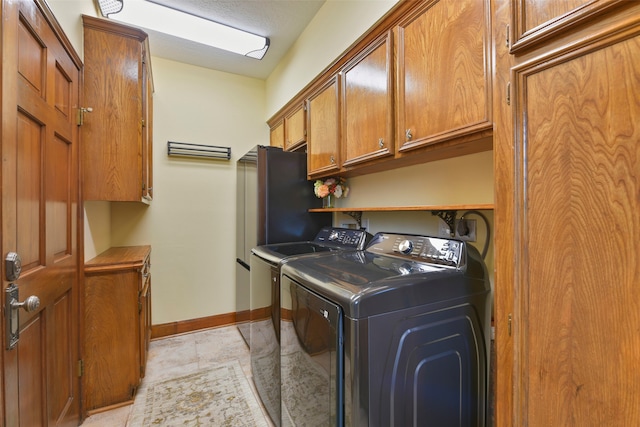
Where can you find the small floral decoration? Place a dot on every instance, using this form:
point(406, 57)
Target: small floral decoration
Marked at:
point(335, 186)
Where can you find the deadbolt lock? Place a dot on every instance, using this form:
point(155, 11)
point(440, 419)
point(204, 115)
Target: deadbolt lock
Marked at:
point(12, 266)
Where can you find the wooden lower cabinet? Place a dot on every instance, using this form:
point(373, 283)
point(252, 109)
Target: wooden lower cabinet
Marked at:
point(117, 325)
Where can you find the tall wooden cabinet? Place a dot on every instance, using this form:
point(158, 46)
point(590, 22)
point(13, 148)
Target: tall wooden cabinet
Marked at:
point(567, 164)
point(117, 132)
point(117, 321)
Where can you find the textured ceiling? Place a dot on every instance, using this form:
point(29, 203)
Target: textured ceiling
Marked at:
point(281, 21)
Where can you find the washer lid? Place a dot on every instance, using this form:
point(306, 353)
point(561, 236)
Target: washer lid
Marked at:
point(366, 284)
point(327, 239)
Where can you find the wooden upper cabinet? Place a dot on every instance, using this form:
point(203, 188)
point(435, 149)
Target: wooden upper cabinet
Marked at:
point(117, 134)
point(535, 21)
point(443, 73)
point(295, 128)
point(276, 136)
point(323, 129)
point(367, 103)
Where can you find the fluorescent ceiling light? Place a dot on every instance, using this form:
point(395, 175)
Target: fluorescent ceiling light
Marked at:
point(190, 27)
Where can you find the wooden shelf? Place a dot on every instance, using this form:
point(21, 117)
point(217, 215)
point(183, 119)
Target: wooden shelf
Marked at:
point(477, 206)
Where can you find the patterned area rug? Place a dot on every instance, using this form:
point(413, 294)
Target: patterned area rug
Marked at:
point(219, 396)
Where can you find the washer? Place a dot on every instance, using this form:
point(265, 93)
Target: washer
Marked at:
point(394, 335)
point(265, 312)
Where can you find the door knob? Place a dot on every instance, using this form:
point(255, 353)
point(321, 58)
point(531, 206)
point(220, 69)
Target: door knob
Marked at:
point(30, 304)
point(12, 310)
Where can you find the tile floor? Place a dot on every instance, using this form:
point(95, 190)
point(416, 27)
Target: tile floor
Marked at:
point(181, 355)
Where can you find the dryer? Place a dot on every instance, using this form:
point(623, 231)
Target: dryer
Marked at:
point(397, 334)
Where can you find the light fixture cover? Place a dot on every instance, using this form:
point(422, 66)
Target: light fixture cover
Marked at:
point(108, 7)
point(156, 17)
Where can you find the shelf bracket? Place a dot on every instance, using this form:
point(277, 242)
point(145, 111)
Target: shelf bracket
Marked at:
point(449, 217)
point(357, 215)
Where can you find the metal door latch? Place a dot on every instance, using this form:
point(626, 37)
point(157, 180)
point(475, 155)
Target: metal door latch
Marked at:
point(12, 306)
point(11, 309)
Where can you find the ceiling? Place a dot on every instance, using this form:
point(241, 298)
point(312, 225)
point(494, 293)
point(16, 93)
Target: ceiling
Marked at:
point(281, 21)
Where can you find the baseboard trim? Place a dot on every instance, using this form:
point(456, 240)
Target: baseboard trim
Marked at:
point(175, 328)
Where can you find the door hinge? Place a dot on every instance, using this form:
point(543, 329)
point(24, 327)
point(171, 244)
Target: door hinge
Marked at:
point(508, 93)
point(507, 36)
point(509, 324)
point(80, 367)
point(81, 112)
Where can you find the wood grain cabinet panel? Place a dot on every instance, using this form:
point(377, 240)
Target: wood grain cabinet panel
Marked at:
point(117, 322)
point(367, 104)
point(295, 128)
point(117, 134)
point(276, 135)
point(323, 142)
point(535, 21)
point(443, 73)
point(566, 289)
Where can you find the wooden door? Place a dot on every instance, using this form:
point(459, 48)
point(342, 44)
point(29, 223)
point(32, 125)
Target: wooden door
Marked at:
point(443, 73)
point(276, 135)
point(295, 128)
point(536, 21)
point(367, 104)
point(147, 129)
point(323, 126)
point(40, 211)
point(567, 295)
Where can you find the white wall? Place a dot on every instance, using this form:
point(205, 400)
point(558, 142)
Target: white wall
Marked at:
point(191, 222)
point(337, 25)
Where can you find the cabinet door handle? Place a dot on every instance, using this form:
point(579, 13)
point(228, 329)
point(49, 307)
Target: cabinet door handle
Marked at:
point(332, 160)
point(381, 143)
point(408, 135)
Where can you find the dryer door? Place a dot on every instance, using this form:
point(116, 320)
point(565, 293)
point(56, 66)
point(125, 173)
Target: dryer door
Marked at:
point(311, 359)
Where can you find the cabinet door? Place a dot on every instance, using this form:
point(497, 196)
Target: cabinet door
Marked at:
point(576, 294)
point(443, 73)
point(295, 128)
point(367, 103)
point(144, 307)
point(112, 351)
point(147, 130)
point(323, 126)
point(276, 135)
point(535, 21)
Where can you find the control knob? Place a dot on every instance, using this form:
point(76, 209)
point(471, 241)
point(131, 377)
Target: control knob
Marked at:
point(405, 247)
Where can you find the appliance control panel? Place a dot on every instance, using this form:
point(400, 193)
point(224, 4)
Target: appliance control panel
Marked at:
point(433, 250)
point(344, 237)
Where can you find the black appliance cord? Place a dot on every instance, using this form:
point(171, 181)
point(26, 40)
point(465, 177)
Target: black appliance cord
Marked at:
point(486, 223)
